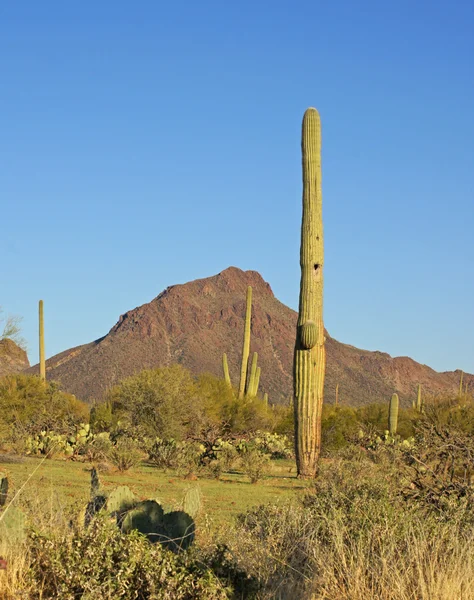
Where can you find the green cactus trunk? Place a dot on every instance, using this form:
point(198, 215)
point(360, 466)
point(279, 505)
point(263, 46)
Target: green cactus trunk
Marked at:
point(42, 361)
point(265, 399)
point(460, 384)
point(393, 415)
point(310, 355)
point(246, 344)
point(253, 375)
point(225, 366)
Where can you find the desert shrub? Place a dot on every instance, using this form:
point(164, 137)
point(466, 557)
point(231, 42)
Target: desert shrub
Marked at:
point(157, 402)
point(353, 538)
point(373, 418)
point(249, 415)
point(101, 562)
point(456, 413)
point(102, 417)
point(183, 457)
point(99, 447)
point(29, 405)
point(339, 427)
point(254, 462)
point(441, 471)
point(124, 454)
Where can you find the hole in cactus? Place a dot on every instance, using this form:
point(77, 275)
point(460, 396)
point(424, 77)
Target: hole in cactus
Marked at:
point(316, 267)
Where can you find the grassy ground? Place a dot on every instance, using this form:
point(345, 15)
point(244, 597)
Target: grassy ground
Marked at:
point(62, 486)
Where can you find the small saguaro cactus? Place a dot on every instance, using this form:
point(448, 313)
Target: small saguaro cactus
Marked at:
point(246, 344)
point(310, 356)
point(225, 366)
point(393, 415)
point(265, 399)
point(460, 384)
point(42, 362)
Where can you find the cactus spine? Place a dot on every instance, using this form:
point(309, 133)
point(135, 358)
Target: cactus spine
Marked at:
point(41, 343)
point(225, 366)
point(393, 415)
point(246, 344)
point(310, 354)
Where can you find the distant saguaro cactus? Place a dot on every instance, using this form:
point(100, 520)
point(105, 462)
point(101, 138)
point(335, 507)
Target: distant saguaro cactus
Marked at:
point(42, 361)
point(393, 414)
point(310, 355)
point(246, 344)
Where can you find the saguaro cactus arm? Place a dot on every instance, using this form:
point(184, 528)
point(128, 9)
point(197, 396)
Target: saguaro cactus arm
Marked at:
point(310, 355)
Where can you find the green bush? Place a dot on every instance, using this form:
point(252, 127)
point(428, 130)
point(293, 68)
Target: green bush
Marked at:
point(182, 457)
point(254, 462)
point(29, 405)
point(157, 402)
point(124, 454)
point(101, 562)
point(339, 427)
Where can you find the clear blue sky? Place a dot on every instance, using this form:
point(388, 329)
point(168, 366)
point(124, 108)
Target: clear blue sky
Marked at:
point(149, 143)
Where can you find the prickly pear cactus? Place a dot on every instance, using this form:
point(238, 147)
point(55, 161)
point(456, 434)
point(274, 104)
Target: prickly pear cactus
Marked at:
point(121, 499)
point(178, 530)
point(147, 518)
point(12, 525)
point(192, 501)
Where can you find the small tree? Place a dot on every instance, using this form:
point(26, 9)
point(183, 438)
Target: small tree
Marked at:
point(10, 329)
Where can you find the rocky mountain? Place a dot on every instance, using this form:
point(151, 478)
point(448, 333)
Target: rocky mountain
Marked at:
point(195, 323)
point(13, 359)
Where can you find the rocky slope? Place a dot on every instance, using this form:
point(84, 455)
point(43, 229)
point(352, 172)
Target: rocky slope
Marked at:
point(195, 323)
point(13, 359)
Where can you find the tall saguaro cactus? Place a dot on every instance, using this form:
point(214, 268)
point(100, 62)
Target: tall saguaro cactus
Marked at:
point(42, 362)
point(246, 344)
point(310, 354)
